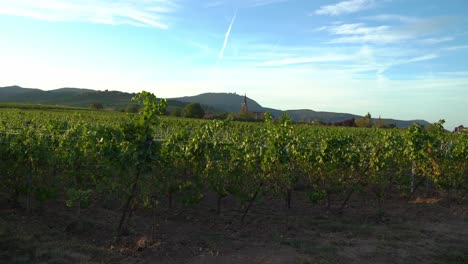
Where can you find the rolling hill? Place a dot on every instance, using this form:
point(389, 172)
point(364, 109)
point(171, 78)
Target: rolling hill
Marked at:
point(225, 102)
point(71, 97)
point(64, 96)
point(211, 102)
point(231, 103)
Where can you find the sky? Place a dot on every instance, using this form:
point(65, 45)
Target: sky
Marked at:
point(402, 59)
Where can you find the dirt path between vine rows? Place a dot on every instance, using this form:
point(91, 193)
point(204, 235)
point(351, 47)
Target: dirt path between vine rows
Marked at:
point(427, 231)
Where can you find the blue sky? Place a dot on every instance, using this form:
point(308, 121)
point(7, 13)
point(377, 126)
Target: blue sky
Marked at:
point(403, 59)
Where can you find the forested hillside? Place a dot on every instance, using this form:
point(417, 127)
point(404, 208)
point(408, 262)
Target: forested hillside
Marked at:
point(211, 102)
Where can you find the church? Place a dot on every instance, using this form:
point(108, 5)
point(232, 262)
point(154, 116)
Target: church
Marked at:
point(254, 116)
point(244, 106)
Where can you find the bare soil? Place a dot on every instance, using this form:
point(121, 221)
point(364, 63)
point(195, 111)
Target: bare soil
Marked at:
point(422, 231)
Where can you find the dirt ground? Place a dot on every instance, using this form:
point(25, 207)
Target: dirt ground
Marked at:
point(423, 231)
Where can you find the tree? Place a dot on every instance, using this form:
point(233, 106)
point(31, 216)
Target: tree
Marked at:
point(194, 110)
point(176, 111)
point(366, 121)
point(132, 108)
point(246, 116)
point(380, 123)
point(97, 106)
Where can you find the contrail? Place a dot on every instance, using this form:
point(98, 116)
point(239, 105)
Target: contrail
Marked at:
point(226, 38)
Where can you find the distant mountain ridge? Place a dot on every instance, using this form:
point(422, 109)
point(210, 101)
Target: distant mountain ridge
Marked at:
point(14, 90)
point(231, 103)
point(227, 102)
point(64, 96)
point(71, 97)
point(212, 102)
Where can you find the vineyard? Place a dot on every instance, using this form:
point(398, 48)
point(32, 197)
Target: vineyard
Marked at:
point(145, 162)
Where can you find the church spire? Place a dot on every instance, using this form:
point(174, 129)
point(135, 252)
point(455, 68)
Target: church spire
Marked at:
point(244, 107)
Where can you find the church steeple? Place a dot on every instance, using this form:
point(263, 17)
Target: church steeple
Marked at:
point(244, 107)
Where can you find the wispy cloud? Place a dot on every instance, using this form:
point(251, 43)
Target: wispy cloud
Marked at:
point(304, 60)
point(418, 59)
point(345, 7)
point(226, 38)
point(146, 13)
point(391, 17)
point(432, 41)
point(455, 48)
point(361, 61)
point(423, 31)
point(361, 33)
point(354, 29)
point(384, 64)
